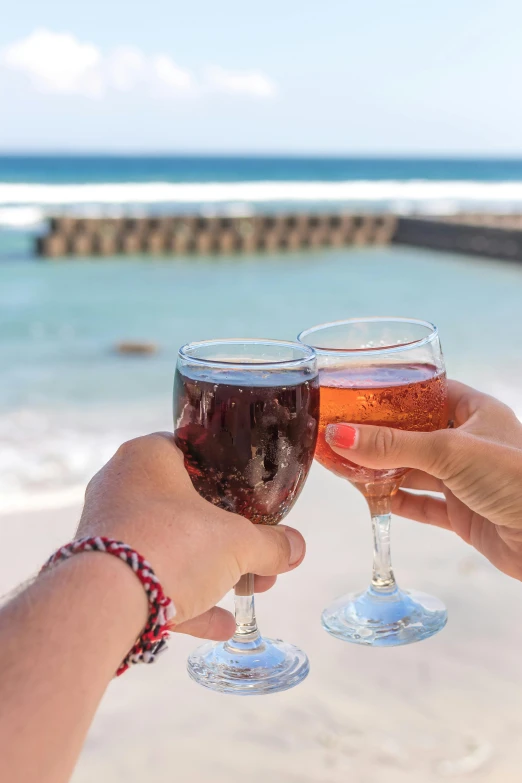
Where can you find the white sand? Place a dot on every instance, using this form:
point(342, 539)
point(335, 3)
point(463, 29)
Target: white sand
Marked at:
point(447, 708)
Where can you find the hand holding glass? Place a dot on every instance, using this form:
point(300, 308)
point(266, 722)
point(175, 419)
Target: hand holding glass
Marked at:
point(380, 371)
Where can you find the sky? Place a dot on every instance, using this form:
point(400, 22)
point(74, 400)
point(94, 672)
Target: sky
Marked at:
point(331, 77)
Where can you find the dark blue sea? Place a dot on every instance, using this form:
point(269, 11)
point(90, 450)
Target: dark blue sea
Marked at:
point(54, 169)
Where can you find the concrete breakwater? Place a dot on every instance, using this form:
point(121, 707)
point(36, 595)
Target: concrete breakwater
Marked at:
point(492, 236)
point(203, 235)
point(498, 236)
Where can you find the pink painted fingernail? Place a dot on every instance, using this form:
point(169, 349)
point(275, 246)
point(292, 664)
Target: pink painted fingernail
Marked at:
point(342, 436)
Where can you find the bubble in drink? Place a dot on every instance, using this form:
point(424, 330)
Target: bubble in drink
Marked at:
point(404, 396)
point(248, 445)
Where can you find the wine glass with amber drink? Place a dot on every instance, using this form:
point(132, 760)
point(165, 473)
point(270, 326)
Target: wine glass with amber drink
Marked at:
point(380, 371)
point(246, 416)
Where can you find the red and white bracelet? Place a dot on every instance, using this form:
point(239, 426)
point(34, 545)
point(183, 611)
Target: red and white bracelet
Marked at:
point(161, 609)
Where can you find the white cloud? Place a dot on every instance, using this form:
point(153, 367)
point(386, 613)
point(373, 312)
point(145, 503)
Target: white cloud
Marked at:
point(60, 63)
point(253, 83)
point(56, 62)
point(127, 68)
point(170, 74)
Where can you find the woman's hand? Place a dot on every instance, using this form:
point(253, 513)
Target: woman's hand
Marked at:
point(144, 497)
point(477, 467)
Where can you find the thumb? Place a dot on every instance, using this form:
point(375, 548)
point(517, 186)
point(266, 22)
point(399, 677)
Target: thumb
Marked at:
point(386, 447)
point(272, 550)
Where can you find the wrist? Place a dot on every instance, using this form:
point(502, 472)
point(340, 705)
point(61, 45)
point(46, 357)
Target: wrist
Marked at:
point(106, 584)
point(153, 538)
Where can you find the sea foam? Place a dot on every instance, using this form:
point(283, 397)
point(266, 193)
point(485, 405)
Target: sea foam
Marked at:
point(421, 196)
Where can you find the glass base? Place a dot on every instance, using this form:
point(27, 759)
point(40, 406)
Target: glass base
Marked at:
point(384, 618)
point(248, 668)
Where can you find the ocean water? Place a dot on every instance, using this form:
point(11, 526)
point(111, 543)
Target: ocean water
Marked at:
point(33, 187)
point(67, 399)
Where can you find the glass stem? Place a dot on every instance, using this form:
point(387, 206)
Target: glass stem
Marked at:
point(383, 579)
point(247, 635)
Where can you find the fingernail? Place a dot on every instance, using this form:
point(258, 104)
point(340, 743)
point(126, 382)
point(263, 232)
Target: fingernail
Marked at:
point(342, 436)
point(297, 545)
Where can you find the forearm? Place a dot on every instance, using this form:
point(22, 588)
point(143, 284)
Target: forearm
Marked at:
point(61, 640)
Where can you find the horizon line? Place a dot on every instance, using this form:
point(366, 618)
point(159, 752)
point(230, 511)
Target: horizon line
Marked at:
point(423, 156)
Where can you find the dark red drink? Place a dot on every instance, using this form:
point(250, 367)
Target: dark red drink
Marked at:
point(248, 437)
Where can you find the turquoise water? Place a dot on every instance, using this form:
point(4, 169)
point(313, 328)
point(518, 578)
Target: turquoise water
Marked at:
point(67, 399)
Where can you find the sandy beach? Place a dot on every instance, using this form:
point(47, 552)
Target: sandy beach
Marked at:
point(446, 708)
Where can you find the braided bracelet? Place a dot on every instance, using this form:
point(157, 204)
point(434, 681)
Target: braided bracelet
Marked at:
point(161, 609)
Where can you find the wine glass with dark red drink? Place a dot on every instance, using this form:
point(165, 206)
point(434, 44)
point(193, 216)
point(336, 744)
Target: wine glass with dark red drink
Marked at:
point(246, 418)
point(380, 371)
